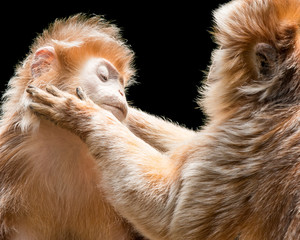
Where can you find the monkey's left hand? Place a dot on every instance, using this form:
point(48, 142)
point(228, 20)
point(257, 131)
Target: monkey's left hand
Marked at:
point(63, 108)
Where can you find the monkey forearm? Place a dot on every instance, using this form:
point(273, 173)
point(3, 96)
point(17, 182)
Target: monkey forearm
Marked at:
point(157, 132)
point(138, 180)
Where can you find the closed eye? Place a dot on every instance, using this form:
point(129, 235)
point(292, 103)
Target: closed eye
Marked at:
point(103, 77)
point(103, 73)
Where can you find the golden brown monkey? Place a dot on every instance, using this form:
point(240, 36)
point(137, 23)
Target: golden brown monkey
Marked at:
point(237, 177)
point(48, 179)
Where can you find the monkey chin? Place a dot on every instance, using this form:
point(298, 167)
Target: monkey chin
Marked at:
point(119, 112)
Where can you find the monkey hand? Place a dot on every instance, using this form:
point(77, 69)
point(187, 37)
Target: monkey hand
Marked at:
point(62, 108)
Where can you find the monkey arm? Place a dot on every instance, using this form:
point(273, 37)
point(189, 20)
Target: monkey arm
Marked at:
point(134, 176)
point(139, 181)
point(160, 134)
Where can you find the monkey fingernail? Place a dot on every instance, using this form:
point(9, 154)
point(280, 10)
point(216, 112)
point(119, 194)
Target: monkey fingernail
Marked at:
point(32, 91)
point(32, 105)
point(80, 93)
point(53, 90)
point(29, 90)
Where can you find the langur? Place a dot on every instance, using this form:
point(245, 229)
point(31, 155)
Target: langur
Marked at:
point(49, 184)
point(236, 178)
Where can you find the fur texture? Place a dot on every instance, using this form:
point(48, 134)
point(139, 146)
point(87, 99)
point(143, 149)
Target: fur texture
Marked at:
point(48, 182)
point(238, 176)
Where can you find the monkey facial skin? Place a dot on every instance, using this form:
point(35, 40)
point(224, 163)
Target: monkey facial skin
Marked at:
point(103, 84)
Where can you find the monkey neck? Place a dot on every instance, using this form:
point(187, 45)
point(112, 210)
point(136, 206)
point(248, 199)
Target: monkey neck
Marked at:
point(58, 139)
point(261, 115)
point(255, 136)
point(60, 150)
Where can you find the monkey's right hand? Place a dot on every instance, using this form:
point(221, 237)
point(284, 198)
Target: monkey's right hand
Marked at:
point(63, 108)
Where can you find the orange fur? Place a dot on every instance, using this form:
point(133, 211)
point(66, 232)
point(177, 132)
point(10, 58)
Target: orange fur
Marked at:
point(238, 177)
point(48, 179)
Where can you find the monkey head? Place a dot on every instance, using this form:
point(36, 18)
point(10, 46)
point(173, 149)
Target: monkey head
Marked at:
point(78, 51)
point(256, 63)
point(97, 76)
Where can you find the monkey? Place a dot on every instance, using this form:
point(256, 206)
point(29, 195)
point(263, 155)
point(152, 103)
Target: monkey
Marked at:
point(238, 176)
point(48, 179)
point(78, 50)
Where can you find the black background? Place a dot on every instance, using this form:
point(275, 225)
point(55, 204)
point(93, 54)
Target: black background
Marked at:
point(171, 41)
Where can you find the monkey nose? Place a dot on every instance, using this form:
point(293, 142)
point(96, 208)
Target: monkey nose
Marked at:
point(122, 94)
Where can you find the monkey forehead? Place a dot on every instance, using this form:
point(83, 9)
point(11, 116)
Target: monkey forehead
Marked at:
point(260, 17)
point(102, 49)
point(80, 36)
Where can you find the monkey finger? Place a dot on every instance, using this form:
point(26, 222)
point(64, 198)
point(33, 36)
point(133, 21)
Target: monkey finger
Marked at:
point(81, 94)
point(39, 95)
point(41, 109)
point(54, 91)
point(31, 89)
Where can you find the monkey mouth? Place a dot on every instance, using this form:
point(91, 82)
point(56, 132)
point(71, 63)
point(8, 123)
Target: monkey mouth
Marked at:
point(119, 111)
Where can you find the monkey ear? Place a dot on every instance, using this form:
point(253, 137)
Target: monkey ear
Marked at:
point(266, 56)
point(42, 60)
